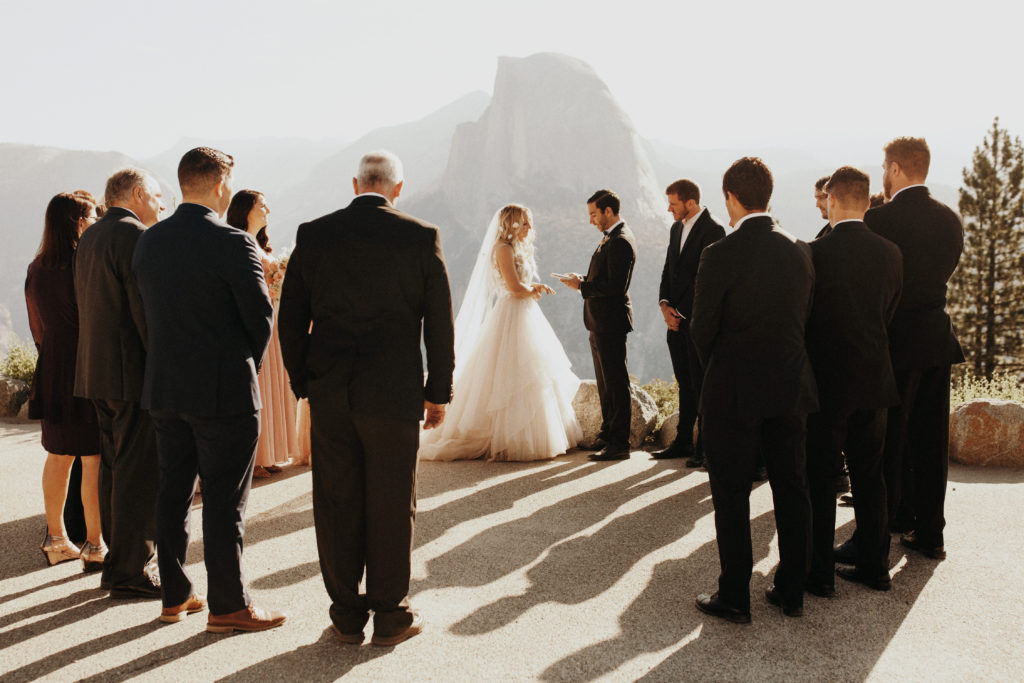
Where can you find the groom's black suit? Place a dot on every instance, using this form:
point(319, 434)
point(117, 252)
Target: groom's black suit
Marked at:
point(608, 315)
point(751, 302)
point(209, 321)
point(677, 279)
point(370, 279)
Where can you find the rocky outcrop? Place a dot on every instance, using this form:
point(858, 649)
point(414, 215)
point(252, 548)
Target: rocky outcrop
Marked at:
point(587, 405)
point(13, 394)
point(988, 433)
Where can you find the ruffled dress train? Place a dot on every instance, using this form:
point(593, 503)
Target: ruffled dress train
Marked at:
point(512, 397)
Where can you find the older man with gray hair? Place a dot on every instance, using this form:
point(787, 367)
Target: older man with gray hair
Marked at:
point(363, 284)
point(109, 371)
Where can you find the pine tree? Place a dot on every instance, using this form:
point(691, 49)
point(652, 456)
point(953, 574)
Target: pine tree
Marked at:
point(987, 290)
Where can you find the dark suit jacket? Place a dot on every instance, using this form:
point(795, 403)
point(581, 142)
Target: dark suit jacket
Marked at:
point(370, 279)
point(605, 290)
point(858, 277)
point(826, 229)
point(931, 239)
point(112, 325)
point(680, 269)
point(208, 314)
point(751, 302)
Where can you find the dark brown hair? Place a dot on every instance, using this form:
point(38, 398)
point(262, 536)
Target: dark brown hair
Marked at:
point(202, 168)
point(819, 184)
point(238, 215)
point(877, 199)
point(60, 227)
point(685, 190)
point(750, 180)
point(605, 199)
point(912, 154)
point(850, 186)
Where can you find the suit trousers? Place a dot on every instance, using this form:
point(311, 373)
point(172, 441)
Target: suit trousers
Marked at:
point(861, 434)
point(364, 509)
point(609, 352)
point(690, 376)
point(917, 451)
point(731, 446)
point(221, 451)
point(128, 481)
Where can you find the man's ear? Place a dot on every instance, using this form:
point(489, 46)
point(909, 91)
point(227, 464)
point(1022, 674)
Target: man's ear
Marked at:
point(355, 186)
point(397, 191)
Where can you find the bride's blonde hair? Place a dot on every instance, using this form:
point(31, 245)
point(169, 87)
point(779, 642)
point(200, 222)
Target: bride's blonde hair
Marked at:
point(511, 220)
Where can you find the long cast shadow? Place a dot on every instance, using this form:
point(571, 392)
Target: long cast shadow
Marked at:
point(582, 568)
point(155, 659)
point(326, 659)
point(505, 548)
point(431, 524)
point(663, 614)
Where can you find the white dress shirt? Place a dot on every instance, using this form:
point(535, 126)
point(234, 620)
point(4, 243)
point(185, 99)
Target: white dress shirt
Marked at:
point(688, 228)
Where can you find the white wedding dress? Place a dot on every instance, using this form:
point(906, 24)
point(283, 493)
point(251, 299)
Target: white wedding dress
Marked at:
point(513, 384)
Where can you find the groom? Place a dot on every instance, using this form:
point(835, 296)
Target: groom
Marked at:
point(608, 315)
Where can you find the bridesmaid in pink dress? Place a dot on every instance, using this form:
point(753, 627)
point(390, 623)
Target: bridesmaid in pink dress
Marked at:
point(278, 443)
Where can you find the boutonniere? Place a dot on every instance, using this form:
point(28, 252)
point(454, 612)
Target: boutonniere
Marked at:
point(604, 240)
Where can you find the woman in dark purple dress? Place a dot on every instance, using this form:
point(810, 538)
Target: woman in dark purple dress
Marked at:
point(68, 423)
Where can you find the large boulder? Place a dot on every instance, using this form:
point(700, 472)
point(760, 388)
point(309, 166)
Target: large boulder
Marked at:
point(587, 405)
point(13, 393)
point(669, 429)
point(987, 432)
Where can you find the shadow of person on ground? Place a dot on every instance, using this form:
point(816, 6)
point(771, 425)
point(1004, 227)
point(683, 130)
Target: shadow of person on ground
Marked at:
point(168, 655)
point(504, 548)
point(326, 659)
point(581, 568)
point(432, 523)
point(55, 661)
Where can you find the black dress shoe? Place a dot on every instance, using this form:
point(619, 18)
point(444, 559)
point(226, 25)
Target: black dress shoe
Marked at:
point(671, 453)
point(820, 588)
point(878, 583)
point(697, 460)
point(842, 483)
point(846, 500)
point(901, 526)
point(611, 452)
point(775, 597)
point(911, 540)
point(845, 553)
point(147, 587)
point(711, 604)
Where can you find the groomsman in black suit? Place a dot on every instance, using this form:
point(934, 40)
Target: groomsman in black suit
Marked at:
point(694, 229)
point(751, 302)
point(821, 201)
point(858, 276)
point(608, 315)
point(208, 319)
point(363, 283)
point(922, 342)
point(109, 371)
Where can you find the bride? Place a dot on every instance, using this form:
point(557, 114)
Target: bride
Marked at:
point(513, 386)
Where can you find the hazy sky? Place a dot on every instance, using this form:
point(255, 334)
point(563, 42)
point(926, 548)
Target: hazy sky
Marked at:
point(844, 76)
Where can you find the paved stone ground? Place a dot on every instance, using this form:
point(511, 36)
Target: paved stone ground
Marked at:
point(559, 571)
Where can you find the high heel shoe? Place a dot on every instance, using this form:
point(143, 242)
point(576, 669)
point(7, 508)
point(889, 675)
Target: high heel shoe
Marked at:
point(58, 549)
point(92, 556)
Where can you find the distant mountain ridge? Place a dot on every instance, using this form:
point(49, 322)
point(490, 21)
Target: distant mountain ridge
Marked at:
point(550, 135)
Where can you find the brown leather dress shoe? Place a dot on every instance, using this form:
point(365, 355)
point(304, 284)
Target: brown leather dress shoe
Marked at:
point(172, 615)
point(251, 618)
point(411, 630)
point(350, 638)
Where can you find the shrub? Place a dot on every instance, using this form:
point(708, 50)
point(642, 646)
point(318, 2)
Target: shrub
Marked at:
point(20, 362)
point(666, 397)
point(1003, 386)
